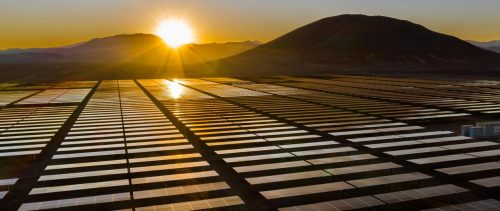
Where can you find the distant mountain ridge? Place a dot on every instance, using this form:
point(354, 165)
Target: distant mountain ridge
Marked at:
point(493, 45)
point(133, 48)
point(358, 42)
point(485, 44)
point(35, 50)
point(120, 56)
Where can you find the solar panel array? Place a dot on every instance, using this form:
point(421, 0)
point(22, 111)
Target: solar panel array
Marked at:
point(278, 143)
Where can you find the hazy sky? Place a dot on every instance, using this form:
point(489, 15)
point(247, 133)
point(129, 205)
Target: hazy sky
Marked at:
point(43, 23)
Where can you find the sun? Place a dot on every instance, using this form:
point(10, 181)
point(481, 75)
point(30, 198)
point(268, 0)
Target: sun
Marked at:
point(175, 33)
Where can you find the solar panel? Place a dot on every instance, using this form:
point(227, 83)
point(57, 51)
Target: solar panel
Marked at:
point(286, 143)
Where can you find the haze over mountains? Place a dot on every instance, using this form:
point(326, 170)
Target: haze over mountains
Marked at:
point(485, 44)
point(345, 43)
point(493, 45)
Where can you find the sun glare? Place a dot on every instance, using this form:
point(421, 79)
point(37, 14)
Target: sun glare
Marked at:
point(175, 33)
point(174, 88)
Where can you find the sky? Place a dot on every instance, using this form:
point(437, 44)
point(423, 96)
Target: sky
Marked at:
point(46, 23)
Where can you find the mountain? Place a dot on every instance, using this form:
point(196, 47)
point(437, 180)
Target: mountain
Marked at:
point(132, 48)
point(485, 44)
point(494, 49)
point(35, 50)
point(120, 56)
point(340, 44)
point(356, 43)
point(493, 45)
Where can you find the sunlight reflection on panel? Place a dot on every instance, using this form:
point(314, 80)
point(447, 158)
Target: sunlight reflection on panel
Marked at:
point(174, 88)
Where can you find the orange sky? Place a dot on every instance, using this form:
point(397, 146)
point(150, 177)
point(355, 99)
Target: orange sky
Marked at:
point(45, 23)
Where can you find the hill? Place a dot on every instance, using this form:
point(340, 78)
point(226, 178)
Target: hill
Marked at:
point(120, 56)
point(132, 48)
point(356, 43)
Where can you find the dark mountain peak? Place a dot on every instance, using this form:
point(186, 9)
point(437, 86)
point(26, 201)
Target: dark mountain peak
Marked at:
point(362, 42)
point(345, 42)
point(364, 26)
point(360, 19)
point(369, 35)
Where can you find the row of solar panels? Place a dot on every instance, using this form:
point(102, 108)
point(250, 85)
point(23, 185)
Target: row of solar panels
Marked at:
point(277, 143)
point(467, 97)
point(300, 112)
